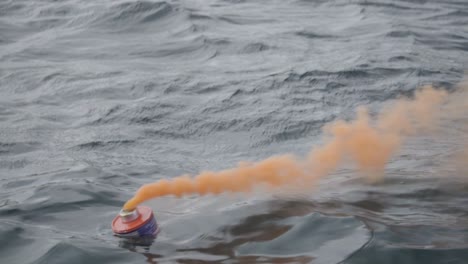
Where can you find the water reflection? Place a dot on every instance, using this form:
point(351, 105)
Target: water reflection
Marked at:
point(289, 232)
point(133, 244)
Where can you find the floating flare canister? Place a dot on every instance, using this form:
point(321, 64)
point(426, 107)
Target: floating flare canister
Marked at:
point(139, 222)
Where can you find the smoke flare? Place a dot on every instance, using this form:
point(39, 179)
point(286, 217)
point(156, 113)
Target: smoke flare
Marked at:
point(368, 144)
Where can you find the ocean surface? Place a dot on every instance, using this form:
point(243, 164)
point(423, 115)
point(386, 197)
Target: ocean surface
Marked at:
point(100, 97)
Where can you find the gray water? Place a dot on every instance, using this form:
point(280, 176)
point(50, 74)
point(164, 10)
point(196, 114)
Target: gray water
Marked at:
point(100, 97)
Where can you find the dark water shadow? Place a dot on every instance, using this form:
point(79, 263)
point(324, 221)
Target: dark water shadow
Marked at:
point(283, 235)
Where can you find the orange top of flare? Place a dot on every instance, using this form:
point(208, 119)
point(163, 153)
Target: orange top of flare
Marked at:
point(121, 227)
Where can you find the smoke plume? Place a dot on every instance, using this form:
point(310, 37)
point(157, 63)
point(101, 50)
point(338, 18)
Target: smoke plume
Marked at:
point(369, 142)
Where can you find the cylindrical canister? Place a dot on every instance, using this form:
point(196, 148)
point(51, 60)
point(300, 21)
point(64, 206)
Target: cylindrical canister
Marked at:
point(139, 222)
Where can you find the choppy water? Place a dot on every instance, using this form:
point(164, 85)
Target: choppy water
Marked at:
point(100, 97)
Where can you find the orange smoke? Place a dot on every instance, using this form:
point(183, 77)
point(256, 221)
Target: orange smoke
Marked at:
point(368, 144)
point(457, 109)
point(462, 160)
